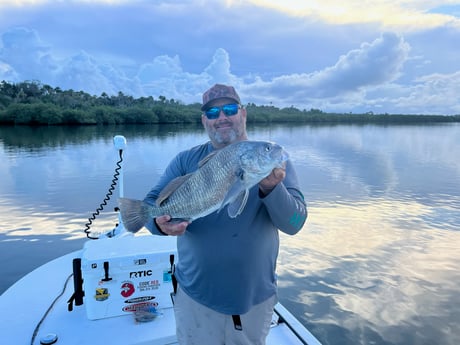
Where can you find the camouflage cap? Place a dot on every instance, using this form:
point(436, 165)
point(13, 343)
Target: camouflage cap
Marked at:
point(219, 91)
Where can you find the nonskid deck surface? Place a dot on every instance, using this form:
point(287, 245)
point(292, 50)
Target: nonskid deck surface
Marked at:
point(28, 300)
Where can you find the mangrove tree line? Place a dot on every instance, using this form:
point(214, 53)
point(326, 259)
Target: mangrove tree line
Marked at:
point(33, 103)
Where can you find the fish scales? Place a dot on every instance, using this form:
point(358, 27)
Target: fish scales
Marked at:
point(223, 179)
point(190, 198)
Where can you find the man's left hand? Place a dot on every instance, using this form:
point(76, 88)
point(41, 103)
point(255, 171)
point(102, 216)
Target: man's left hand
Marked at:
point(276, 176)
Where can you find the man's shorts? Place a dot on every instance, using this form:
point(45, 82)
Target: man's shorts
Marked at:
point(199, 325)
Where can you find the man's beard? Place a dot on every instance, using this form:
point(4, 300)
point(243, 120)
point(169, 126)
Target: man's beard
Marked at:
point(225, 139)
point(229, 136)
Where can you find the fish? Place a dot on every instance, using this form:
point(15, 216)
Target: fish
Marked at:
point(223, 178)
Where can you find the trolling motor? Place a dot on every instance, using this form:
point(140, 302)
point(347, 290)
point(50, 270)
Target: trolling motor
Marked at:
point(119, 143)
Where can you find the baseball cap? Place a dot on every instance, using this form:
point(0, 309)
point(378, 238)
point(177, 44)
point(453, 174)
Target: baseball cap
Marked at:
point(219, 91)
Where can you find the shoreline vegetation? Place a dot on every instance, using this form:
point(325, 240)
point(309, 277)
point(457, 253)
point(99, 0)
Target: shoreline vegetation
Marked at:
point(34, 104)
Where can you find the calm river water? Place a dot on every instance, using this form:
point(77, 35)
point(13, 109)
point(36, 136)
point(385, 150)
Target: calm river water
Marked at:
point(376, 263)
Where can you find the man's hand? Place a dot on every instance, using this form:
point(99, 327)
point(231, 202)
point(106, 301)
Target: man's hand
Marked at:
point(171, 228)
point(267, 184)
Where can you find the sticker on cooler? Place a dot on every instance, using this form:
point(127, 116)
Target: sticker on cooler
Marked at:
point(139, 306)
point(167, 276)
point(102, 294)
point(127, 289)
point(140, 299)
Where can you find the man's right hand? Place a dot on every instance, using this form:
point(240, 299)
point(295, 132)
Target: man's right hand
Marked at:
point(171, 228)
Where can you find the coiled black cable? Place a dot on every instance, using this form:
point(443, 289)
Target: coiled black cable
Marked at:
point(106, 199)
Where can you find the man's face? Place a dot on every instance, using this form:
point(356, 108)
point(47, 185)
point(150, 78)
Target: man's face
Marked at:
point(225, 129)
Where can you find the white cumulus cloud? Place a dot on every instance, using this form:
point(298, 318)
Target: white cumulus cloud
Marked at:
point(272, 55)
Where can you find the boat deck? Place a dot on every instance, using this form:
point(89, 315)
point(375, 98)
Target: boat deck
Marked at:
point(25, 304)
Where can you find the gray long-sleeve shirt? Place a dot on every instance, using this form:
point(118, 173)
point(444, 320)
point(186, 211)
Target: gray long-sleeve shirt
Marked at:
point(228, 264)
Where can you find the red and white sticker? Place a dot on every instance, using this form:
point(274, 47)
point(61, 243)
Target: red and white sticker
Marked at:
point(127, 289)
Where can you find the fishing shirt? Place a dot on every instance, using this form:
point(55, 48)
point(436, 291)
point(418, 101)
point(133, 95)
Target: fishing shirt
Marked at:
point(229, 264)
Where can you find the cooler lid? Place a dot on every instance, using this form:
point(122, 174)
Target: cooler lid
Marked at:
point(128, 245)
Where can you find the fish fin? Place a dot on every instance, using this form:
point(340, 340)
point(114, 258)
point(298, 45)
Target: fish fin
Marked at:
point(171, 187)
point(134, 213)
point(236, 207)
point(207, 158)
point(234, 193)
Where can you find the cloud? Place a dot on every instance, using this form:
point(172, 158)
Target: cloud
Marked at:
point(7, 72)
point(219, 68)
point(164, 76)
point(82, 72)
point(397, 15)
point(372, 64)
point(440, 91)
point(25, 53)
point(178, 49)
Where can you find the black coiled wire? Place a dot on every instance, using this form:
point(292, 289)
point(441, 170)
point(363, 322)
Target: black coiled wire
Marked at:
point(88, 234)
point(106, 199)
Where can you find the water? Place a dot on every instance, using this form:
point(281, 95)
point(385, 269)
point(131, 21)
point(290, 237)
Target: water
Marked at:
point(376, 262)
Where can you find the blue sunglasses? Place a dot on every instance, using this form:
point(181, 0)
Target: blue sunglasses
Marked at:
point(228, 109)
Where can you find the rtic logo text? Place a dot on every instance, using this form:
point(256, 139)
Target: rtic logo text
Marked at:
point(140, 274)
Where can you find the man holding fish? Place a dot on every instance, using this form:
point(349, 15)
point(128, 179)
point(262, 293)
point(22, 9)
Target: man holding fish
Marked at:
point(226, 200)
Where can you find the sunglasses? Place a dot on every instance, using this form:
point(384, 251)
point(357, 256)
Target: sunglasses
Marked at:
point(228, 109)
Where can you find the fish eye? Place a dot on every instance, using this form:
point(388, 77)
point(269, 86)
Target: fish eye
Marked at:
point(268, 148)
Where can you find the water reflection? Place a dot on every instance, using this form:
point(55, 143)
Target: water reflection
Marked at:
point(46, 137)
point(376, 262)
point(354, 272)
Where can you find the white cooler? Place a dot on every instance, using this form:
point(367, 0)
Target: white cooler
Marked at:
point(125, 274)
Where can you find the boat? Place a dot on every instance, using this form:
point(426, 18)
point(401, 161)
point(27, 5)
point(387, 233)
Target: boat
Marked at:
point(117, 289)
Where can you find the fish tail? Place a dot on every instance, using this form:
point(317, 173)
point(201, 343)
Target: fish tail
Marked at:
point(134, 213)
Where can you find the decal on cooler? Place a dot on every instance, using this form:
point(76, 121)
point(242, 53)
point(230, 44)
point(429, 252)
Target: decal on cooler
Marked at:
point(149, 285)
point(140, 299)
point(101, 294)
point(139, 306)
point(127, 289)
point(167, 276)
point(140, 274)
point(140, 262)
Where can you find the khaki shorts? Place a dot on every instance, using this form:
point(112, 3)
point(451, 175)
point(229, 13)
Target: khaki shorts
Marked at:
point(199, 325)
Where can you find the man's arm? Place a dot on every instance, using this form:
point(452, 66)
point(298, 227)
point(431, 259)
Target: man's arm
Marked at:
point(285, 203)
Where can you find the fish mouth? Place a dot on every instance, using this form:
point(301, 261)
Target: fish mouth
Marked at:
point(284, 156)
point(283, 159)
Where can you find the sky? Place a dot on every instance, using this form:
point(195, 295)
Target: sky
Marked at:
point(353, 56)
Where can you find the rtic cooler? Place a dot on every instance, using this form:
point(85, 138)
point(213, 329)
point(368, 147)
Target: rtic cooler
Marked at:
point(125, 274)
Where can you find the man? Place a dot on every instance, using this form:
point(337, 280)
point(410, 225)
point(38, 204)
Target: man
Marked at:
point(226, 270)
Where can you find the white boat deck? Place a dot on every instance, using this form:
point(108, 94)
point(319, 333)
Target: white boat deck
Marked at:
point(25, 303)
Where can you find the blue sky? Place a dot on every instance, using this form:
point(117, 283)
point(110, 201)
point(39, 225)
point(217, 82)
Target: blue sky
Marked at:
point(385, 56)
